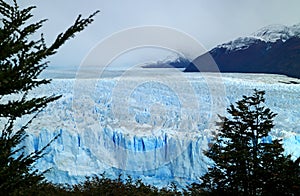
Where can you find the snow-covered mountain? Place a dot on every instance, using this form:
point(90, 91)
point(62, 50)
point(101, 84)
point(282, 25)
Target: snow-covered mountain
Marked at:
point(268, 34)
point(152, 137)
point(272, 49)
point(177, 62)
point(273, 33)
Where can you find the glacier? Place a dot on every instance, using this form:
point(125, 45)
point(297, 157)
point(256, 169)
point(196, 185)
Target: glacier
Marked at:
point(148, 132)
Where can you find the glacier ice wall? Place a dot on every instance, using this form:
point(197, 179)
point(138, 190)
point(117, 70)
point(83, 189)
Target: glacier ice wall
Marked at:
point(94, 141)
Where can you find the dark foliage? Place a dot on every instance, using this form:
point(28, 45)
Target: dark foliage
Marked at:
point(101, 185)
point(245, 162)
point(22, 59)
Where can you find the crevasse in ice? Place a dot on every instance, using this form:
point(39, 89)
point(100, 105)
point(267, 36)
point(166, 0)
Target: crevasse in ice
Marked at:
point(152, 135)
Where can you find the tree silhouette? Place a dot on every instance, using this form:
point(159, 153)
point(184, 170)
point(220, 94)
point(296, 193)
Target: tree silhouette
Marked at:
point(22, 59)
point(246, 163)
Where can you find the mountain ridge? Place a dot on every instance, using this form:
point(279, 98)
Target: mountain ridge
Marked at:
point(273, 49)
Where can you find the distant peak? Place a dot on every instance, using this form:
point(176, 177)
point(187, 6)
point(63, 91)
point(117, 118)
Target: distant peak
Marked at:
point(271, 33)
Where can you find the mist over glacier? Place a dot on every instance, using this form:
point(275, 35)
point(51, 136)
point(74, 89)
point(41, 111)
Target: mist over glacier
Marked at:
point(153, 135)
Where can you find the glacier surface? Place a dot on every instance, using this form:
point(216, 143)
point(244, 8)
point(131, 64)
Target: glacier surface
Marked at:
point(149, 131)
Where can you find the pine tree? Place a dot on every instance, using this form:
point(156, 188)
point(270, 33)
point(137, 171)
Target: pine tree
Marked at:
point(245, 162)
point(22, 59)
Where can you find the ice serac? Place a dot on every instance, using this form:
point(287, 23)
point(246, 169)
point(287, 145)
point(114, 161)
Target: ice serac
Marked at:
point(93, 140)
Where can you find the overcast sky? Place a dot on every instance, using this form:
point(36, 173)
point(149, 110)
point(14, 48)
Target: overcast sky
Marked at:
point(211, 22)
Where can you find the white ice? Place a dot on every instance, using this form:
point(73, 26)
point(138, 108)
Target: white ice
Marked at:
point(153, 128)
